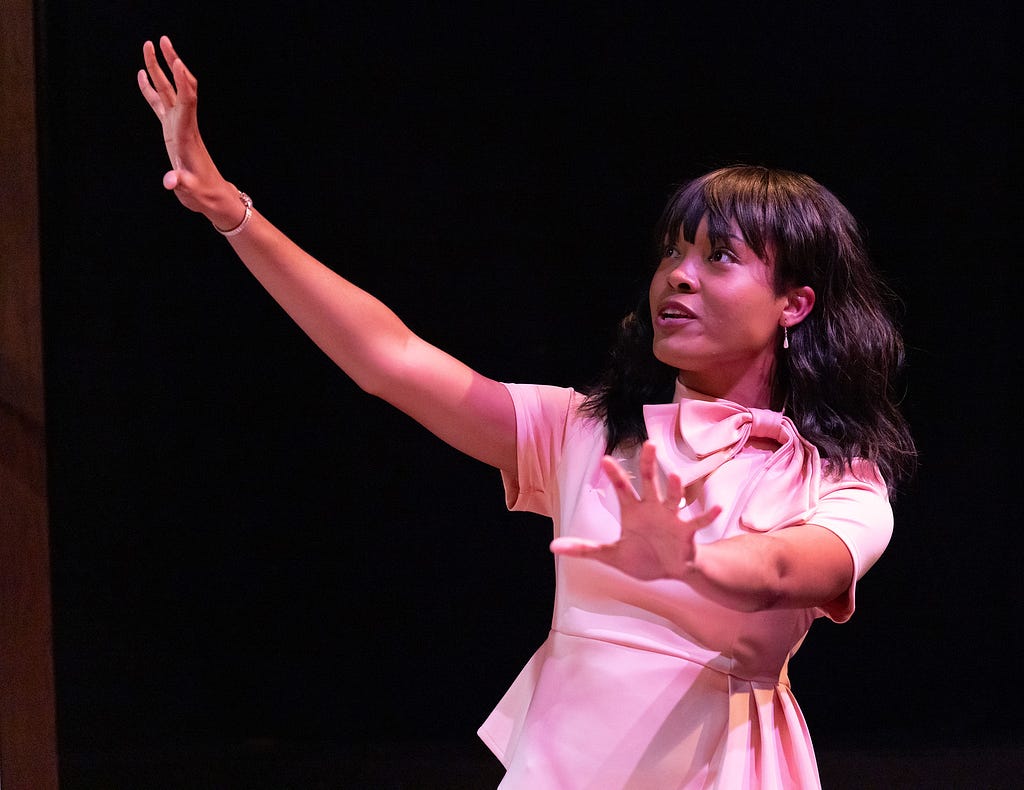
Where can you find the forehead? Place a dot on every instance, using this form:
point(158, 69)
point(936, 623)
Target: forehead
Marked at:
point(707, 231)
point(724, 210)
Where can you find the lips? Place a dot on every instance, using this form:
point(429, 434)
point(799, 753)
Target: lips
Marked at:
point(674, 311)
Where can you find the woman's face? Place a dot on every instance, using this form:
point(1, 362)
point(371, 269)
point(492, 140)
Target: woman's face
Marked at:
point(717, 318)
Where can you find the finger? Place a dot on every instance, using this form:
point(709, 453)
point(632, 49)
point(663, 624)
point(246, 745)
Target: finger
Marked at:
point(704, 519)
point(156, 74)
point(185, 82)
point(650, 484)
point(674, 492)
point(151, 96)
point(620, 480)
point(170, 55)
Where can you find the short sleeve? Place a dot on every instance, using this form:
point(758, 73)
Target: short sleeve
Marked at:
point(857, 510)
point(542, 413)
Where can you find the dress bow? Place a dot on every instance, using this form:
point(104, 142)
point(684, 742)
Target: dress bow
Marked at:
point(695, 437)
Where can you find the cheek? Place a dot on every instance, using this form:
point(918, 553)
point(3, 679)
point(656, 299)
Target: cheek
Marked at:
point(653, 294)
point(753, 314)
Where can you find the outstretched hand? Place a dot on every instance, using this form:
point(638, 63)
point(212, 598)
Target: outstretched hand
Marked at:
point(656, 543)
point(193, 175)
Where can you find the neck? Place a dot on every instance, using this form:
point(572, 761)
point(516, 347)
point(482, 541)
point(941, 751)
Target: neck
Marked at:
point(753, 389)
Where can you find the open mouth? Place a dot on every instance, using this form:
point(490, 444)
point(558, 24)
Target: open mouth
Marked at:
point(674, 312)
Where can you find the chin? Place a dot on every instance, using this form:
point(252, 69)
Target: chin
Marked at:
point(666, 357)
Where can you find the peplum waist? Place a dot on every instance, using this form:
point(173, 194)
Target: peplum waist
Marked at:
point(593, 711)
point(747, 645)
point(639, 643)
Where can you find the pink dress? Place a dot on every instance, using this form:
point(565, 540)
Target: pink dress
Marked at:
point(649, 685)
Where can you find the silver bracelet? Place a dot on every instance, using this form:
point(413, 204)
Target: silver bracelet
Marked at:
point(247, 202)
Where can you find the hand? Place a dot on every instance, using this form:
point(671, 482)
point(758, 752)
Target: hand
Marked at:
point(655, 542)
point(193, 176)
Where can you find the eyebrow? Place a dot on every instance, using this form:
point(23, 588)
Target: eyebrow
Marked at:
point(734, 237)
point(730, 235)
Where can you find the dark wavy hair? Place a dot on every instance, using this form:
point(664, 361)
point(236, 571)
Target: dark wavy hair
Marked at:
point(837, 379)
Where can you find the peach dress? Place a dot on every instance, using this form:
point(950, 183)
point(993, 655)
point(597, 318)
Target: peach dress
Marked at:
point(649, 685)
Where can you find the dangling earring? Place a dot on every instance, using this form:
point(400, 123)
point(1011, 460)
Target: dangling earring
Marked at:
point(785, 337)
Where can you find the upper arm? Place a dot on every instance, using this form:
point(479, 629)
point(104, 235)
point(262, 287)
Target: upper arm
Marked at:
point(813, 566)
point(808, 565)
point(819, 563)
point(471, 412)
point(379, 352)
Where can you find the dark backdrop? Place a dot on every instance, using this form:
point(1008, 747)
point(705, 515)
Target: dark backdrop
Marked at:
point(246, 546)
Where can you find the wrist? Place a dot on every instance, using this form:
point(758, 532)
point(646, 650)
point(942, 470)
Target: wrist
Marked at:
point(222, 205)
point(690, 569)
point(232, 211)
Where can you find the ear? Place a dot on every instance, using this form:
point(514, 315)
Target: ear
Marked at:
point(799, 302)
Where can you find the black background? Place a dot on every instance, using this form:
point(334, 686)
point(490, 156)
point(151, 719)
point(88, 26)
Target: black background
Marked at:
point(246, 546)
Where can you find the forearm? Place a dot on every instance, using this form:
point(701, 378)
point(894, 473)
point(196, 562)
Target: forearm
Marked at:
point(794, 568)
point(360, 334)
point(738, 573)
point(378, 351)
point(357, 331)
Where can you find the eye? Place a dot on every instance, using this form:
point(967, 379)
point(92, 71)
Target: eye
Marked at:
point(723, 255)
point(669, 251)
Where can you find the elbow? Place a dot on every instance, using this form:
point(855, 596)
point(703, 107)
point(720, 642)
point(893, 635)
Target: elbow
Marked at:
point(742, 575)
point(760, 572)
point(776, 581)
point(756, 595)
point(367, 381)
point(763, 597)
point(770, 584)
point(789, 581)
point(379, 370)
point(770, 596)
point(371, 385)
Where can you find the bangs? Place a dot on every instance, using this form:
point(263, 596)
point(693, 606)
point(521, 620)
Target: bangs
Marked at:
point(739, 195)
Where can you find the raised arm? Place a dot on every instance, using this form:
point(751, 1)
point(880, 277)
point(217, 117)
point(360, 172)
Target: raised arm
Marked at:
point(365, 338)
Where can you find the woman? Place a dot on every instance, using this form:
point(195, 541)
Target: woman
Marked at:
point(761, 435)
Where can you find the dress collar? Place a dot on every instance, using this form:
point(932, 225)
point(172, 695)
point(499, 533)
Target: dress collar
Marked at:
point(696, 434)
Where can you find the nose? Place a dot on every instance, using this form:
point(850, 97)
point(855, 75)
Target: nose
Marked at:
point(680, 276)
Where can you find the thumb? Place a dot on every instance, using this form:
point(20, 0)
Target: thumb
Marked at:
point(171, 179)
point(575, 547)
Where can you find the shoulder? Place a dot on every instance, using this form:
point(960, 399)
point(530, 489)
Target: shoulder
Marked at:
point(562, 404)
point(860, 475)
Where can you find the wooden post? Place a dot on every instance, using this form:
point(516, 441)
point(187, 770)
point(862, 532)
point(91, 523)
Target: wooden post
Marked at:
point(28, 751)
